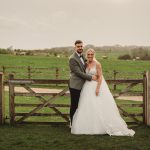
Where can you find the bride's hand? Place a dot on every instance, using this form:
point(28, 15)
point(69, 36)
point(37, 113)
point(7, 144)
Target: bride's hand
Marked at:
point(97, 92)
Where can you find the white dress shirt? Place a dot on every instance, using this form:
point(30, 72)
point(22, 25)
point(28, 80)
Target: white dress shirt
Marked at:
point(81, 58)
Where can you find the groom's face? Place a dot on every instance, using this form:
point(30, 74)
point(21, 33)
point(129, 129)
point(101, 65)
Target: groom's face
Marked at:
point(79, 48)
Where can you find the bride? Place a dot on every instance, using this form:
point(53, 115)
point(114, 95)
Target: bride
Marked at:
point(97, 112)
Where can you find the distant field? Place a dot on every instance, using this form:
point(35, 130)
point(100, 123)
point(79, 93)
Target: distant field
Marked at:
point(110, 64)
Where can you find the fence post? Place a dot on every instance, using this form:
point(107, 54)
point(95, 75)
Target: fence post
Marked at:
point(29, 72)
point(11, 100)
point(115, 73)
point(57, 74)
point(4, 71)
point(144, 96)
point(147, 98)
point(4, 68)
point(2, 106)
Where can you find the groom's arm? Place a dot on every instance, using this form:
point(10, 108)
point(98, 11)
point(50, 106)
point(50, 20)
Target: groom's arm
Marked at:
point(74, 67)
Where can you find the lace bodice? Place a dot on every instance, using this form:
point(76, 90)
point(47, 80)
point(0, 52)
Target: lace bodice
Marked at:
point(91, 71)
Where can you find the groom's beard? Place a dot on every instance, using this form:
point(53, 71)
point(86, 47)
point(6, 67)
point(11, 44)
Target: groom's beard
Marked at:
point(80, 51)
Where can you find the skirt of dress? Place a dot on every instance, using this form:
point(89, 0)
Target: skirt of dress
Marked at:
point(98, 114)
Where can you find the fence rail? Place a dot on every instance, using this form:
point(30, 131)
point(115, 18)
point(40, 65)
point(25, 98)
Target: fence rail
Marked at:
point(28, 72)
point(26, 83)
point(32, 72)
point(20, 117)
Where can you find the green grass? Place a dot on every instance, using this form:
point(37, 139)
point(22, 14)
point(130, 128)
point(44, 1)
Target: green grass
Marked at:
point(50, 137)
point(108, 65)
point(54, 137)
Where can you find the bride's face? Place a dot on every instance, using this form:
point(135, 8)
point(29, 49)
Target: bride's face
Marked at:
point(90, 56)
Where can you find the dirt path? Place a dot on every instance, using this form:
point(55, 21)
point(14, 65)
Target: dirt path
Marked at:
point(43, 90)
point(133, 98)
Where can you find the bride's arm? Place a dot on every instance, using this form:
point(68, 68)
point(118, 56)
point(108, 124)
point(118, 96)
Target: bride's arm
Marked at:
point(99, 77)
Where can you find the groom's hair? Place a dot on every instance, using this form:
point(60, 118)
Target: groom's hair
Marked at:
point(78, 42)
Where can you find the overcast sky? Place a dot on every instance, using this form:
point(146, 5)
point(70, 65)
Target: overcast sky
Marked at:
point(30, 24)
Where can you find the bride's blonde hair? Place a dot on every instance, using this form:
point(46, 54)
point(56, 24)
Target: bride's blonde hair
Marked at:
point(93, 51)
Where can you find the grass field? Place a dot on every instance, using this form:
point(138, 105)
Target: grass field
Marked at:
point(38, 137)
point(55, 137)
point(108, 65)
point(52, 137)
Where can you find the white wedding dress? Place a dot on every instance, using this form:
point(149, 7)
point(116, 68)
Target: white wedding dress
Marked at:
point(98, 114)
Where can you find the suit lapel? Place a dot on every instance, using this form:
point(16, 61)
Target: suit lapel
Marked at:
point(79, 61)
point(85, 62)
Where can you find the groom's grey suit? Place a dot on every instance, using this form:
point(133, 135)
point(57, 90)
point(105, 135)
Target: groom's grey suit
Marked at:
point(77, 79)
point(77, 74)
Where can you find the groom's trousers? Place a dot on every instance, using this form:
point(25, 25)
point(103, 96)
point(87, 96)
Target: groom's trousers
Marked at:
point(75, 95)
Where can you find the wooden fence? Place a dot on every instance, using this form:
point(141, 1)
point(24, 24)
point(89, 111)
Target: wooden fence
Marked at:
point(28, 72)
point(20, 117)
point(2, 105)
point(44, 102)
point(32, 72)
point(146, 96)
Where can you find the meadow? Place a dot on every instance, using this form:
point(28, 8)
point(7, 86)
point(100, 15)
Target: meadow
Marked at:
point(54, 137)
point(127, 68)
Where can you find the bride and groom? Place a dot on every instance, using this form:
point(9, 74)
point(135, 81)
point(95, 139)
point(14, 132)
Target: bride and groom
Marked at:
point(93, 109)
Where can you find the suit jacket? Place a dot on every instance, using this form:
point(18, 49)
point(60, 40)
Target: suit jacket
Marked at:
point(77, 72)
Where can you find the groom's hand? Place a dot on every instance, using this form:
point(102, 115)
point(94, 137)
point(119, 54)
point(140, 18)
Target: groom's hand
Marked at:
point(94, 78)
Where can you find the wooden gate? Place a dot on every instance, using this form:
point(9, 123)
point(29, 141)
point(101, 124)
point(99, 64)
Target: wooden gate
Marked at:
point(20, 117)
point(122, 107)
point(26, 84)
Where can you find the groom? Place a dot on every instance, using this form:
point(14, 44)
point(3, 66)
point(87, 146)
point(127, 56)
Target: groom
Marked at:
point(78, 76)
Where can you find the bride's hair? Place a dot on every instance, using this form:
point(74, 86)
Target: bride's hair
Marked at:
point(93, 51)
